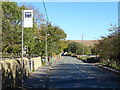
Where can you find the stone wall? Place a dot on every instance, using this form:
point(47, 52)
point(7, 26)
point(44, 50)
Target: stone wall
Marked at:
point(11, 70)
point(36, 63)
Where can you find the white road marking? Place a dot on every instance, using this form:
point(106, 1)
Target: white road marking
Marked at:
point(83, 71)
point(78, 67)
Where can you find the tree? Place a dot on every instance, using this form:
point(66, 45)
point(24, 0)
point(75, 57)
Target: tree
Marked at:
point(75, 47)
point(11, 20)
point(109, 48)
point(55, 44)
point(11, 29)
point(34, 38)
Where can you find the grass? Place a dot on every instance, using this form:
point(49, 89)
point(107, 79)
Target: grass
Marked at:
point(33, 70)
point(43, 63)
point(111, 65)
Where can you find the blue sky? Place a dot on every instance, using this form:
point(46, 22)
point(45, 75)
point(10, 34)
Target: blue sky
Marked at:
point(90, 18)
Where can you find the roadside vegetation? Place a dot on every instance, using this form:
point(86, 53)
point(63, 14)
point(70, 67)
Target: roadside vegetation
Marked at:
point(105, 51)
point(34, 38)
point(109, 49)
point(77, 48)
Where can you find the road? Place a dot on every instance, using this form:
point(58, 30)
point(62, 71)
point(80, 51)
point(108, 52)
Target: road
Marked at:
point(72, 73)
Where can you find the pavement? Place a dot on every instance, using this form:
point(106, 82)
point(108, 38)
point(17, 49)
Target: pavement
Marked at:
point(110, 69)
point(37, 79)
point(70, 72)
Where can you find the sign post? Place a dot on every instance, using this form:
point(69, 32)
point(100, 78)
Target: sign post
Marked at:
point(27, 22)
point(22, 45)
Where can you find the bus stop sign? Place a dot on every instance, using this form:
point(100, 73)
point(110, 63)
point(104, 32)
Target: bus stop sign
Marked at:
point(28, 18)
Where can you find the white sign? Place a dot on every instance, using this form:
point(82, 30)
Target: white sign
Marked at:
point(28, 18)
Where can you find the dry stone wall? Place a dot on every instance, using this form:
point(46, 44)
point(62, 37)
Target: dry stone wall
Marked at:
point(36, 63)
point(11, 70)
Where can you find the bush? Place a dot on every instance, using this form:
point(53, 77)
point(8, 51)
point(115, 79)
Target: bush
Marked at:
point(82, 57)
point(111, 64)
point(109, 49)
point(89, 59)
point(93, 59)
point(73, 55)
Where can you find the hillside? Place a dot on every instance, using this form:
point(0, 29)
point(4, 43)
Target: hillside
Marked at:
point(86, 42)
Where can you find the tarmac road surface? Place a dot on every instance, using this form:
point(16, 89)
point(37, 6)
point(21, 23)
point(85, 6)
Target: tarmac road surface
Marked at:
point(72, 73)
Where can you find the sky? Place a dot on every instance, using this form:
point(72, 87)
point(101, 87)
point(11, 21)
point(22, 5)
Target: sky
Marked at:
point(92, 19)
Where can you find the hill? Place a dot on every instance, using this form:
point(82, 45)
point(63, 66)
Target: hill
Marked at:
point(86, 42)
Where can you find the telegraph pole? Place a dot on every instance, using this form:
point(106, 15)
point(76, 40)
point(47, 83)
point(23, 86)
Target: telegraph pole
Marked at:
point(76, 48)
point(82, 44)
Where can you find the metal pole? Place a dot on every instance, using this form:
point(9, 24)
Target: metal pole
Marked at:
point(46, 51)
point(22, 46)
